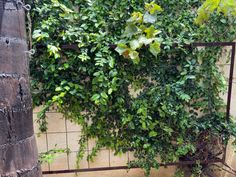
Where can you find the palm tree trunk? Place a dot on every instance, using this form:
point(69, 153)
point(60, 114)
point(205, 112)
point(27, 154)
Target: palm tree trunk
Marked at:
point(18, 151)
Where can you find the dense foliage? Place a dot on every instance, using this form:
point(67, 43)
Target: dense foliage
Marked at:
point(121, 69)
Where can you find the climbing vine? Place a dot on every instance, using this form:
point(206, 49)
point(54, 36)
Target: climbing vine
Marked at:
point(121, 69)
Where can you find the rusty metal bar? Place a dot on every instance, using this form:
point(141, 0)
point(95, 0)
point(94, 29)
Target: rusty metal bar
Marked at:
point(229, 92)
point(230, 81)
point(212, 44)
point(127, 168)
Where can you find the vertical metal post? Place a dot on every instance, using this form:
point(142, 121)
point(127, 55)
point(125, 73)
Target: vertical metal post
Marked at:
point(230, 82)
point(230, 87)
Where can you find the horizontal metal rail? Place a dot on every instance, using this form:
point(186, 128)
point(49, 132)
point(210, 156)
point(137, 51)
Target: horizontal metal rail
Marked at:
point(127, 168)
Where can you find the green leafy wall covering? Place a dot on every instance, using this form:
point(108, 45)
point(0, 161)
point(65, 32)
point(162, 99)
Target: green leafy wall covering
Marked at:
point(92, 54)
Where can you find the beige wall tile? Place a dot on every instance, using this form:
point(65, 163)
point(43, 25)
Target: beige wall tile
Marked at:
point(118, 160)
point(233, 100)
point(60, 162)
point(91, 144)
point(115, 173)
point(41, 142)
point(234, 94)
point(225, 70)
point(73, 141)
point(226, 56)
point(131, 156)
point(102, 159)
point(231, 156)
point(56, 122)
point(165, 172)
point(36, 125)
point(233, 112)
point(72, 160)
point(57, 141)
point(45, 167)
point(72, 127)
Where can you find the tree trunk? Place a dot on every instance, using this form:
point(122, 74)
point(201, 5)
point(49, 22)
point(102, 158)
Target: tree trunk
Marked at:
point(18, 151)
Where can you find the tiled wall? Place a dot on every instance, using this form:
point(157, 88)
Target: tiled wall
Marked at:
point(231, 155)
point(65, 134)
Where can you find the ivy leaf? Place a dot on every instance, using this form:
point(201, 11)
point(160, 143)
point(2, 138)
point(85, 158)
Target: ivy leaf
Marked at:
point(153, 7)
point(151, 32)
point(53, 51)
point(144, 125)
point(104, 95)
point(95, 97)
point(110, 91)
point(84, 57)
point(130, 30)
point(209, 6)
point(58, 89)
point(168, 130)
point(112, 62)
point(146, 146)
point(153, 134)
point(134, 44)
point(148, 18)
point(185, 97)
point(136, 17)
point(126, 54)
point(66, 65)
point(155, 48)
point(227, 7)
point(121, 48)
point(73, 92)
point(39, 35)
point(67, 88)
point(134, 55)
point(144, 40)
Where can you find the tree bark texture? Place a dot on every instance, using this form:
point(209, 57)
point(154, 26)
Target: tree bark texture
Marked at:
point(18, 150)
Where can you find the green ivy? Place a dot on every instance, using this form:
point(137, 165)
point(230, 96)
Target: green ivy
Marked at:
point(140, 31)
point(226, 7)
point(50, 156)
point(122, 71)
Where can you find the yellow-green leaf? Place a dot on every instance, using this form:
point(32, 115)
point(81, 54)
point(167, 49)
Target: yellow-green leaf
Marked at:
point(134, 55)
point(151, 32)
point(152, 7)
point(134, 44)
point(136, 17)
point(155, 48)
point(121, 48)
point(153, 134)
point(149, 18)
point(130, 30)
point(144, 40)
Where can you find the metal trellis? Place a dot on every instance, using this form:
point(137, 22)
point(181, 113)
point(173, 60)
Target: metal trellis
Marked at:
point(216, 160)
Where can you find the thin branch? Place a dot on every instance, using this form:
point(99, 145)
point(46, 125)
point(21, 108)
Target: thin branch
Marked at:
point(230, 171)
